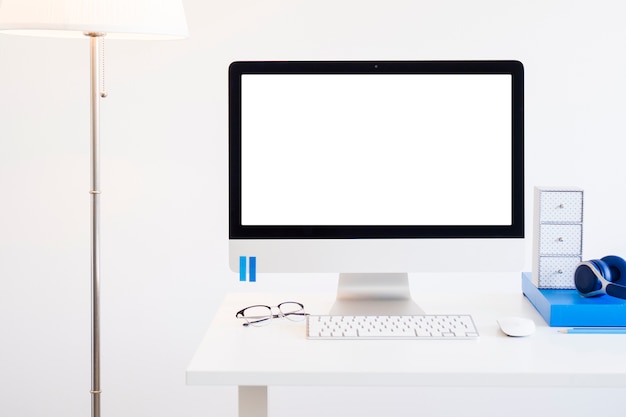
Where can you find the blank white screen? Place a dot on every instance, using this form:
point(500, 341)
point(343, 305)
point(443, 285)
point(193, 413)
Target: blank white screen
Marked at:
point(376, 149)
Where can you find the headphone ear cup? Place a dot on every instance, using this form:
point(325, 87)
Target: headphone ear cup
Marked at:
point(585, 278)
point(617, 267)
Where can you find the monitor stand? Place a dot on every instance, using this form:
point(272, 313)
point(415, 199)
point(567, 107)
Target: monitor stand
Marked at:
point(374, 294)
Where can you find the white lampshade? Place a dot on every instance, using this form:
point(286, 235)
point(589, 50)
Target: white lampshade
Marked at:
point(127, 19)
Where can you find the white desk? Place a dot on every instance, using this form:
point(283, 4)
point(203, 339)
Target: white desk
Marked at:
point(280, 355)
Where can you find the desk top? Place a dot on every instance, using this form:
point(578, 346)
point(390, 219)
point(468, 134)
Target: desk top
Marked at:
point(280, 354)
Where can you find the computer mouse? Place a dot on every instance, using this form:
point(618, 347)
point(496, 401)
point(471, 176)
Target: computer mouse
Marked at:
point(516, 326)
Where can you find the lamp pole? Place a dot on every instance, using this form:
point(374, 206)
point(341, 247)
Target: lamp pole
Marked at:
point(94, 38)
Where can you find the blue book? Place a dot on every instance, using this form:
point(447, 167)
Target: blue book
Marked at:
point(564, 308)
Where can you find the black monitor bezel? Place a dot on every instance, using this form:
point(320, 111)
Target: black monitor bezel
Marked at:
point(239, 231)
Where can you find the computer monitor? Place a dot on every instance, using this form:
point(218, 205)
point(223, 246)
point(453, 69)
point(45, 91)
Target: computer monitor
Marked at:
point(376, 169)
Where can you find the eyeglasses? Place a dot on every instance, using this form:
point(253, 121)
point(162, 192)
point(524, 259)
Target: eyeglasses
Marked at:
point(260, 315)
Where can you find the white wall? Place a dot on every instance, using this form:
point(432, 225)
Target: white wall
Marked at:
point(164, 163)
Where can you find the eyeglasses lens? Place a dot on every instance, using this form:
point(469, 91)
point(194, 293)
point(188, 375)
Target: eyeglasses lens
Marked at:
point(292, 311)
point(258, 315)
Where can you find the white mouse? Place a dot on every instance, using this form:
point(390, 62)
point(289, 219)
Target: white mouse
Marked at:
point(516, 326)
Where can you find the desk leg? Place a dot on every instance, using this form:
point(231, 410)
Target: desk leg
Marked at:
point(252, 401)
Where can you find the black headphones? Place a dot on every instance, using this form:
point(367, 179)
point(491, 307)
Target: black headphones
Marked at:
point(601, 276)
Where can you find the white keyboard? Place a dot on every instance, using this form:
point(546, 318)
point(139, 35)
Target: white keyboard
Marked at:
point(453, 327)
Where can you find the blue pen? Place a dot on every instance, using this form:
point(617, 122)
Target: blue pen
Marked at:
point(595, 330)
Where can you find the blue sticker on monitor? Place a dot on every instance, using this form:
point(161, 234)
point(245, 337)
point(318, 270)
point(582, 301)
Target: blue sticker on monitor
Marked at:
point(253, 269)
point(242, 268)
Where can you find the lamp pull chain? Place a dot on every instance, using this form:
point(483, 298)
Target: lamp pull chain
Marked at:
point(103, 91)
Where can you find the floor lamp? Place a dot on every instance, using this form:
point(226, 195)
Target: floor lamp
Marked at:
point(96, 19)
